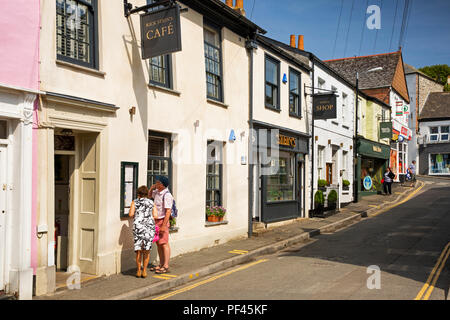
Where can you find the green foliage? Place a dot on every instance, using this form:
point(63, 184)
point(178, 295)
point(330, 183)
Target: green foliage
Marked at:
point(439, 72)
point(318, 197)
point(332, 196)
point(215, 211)
point(346, 183)
point(322, 183)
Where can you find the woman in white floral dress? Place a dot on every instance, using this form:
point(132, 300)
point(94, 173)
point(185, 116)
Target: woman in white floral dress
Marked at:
point(143, 229)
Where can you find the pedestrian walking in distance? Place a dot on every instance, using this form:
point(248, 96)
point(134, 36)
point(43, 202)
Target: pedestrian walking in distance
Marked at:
point(412, 170)
point(388, 179)
point(143, 229)
point(163, 202)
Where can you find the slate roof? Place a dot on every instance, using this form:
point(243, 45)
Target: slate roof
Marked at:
point(348, 67)
point(437, 106)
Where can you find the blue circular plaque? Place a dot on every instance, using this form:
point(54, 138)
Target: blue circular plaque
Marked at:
point(367, 183)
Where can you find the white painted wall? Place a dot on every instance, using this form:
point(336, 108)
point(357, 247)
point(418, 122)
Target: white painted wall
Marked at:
point(338, 131)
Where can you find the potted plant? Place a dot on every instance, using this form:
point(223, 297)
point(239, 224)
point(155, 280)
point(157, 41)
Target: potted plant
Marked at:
point(220, 212)
point(210, 213)
point(378, 186)
point(318, 203)
point(215, 214)
point(346, 184)
point(322, 184)
point(332, 199)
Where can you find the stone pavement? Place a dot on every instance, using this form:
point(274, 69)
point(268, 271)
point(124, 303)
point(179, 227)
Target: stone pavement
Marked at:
point(191, 266)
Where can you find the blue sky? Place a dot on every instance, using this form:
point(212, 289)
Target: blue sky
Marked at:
point(427, 36)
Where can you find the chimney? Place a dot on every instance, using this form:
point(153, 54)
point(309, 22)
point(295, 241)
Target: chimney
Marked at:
point(300, 42)
point(240, 7)
point(293, 40)
point(229, 3)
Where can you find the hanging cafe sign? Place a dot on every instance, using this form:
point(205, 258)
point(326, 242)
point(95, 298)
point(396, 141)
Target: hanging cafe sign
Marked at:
point(160, 32)
point(324, 106)
point(160, 28)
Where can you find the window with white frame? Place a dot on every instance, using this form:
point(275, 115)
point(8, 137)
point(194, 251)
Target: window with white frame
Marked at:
point(320, 161)
point(434, 133)
point(439, 133)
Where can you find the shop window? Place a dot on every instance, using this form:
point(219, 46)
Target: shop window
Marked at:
point(281, 186)
point(213, 62)
point(272, 79)
point(214, 173)
point(159, 160)
point(439, 164)
point(294, 93)
point(76, 32)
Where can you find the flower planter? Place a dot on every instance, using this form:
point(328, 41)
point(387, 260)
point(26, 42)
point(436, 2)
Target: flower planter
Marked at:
point(213, 218)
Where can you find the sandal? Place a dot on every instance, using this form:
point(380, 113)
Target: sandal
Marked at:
point(154, 268)
point(162, 270)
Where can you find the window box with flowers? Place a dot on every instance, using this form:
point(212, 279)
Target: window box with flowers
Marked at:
point(215, 214)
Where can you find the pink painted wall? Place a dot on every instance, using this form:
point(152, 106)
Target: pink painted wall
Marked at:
point(19, 67)
point(19, 43)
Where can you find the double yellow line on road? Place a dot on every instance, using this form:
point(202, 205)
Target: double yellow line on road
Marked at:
point(171, 294)
point(412, 194)
point(428, 287)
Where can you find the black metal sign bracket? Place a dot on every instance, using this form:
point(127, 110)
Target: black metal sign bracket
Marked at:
point(128, 7)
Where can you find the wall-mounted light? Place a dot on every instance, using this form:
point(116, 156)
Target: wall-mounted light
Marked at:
point(132, 111)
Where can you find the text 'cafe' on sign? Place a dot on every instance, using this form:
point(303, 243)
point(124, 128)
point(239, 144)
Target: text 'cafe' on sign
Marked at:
point(161, 32)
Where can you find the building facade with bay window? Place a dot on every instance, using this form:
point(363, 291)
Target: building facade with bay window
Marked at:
point(110, 122)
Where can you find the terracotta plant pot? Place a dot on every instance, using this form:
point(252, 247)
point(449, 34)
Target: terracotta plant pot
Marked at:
point(213, 218)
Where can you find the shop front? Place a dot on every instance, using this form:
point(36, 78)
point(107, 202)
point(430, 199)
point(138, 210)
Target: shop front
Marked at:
point(398, 161)
point(282, 173)
point(373, 158)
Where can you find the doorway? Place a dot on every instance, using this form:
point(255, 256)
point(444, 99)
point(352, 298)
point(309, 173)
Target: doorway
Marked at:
point(329, 173)
point(64, 169)
point(3, 189)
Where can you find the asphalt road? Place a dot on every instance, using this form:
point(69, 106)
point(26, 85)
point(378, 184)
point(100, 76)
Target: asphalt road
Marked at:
point(393, 256)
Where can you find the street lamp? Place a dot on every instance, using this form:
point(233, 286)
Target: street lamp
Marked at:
point(355, 139)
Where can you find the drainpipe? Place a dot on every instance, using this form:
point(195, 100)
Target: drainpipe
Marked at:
point(312, 138)
point(250, 45)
